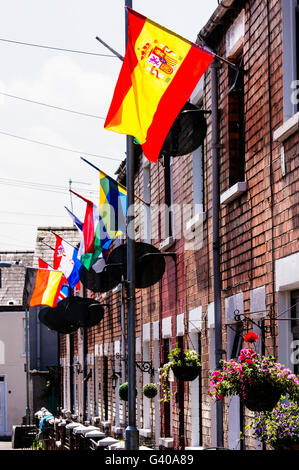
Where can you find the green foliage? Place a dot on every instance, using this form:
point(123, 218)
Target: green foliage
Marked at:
point(178, 357)
point(37, 445)
point(279, 427)
point(150, 390)
point(123, 391)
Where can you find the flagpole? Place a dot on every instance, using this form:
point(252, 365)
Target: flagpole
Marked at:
point(119, 56)
point(132, 433)
point(121, 185)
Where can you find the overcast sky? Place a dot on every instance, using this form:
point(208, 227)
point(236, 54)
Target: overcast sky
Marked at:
point(35, 178)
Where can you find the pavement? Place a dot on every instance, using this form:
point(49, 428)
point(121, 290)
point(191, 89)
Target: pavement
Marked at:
point(6, 445)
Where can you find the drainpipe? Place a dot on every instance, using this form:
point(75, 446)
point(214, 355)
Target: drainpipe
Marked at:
point(123, 345)
point(216, 245)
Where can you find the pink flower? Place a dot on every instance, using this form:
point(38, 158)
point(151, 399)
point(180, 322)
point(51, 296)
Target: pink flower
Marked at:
point(219, 397)
point(292, 376)
point(246, 354)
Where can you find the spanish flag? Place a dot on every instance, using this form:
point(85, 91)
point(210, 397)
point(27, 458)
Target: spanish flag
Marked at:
point(159, 72)
point(42, 287)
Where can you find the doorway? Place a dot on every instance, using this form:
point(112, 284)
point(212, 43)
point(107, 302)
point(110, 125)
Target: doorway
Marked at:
point(2, 405)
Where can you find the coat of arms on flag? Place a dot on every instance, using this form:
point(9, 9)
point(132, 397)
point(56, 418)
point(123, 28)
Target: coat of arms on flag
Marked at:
point(159, 72)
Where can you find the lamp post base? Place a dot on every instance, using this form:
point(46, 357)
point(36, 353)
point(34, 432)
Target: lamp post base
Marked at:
point(132, 438)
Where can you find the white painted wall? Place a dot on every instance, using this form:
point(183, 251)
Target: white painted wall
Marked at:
point(12, 360)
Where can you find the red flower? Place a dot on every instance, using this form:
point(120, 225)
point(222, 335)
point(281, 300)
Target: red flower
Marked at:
point(251, 337)
point(248, 361)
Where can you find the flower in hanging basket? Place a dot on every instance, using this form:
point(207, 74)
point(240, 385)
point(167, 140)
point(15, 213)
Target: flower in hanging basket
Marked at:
point(150, 390)
point(251, 337)
point(258, 380)
point(185, 366)
point(123, 391)
point(279, 428)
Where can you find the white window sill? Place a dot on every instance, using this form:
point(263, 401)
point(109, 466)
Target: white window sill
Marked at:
point(166, 442)
point(117, 429)
point(117, 288)
point(194, 448)
point(167, 243)
point(288, 128)
point(105, 424)
point(233, 192)
point(145, 432)
point(196, 221)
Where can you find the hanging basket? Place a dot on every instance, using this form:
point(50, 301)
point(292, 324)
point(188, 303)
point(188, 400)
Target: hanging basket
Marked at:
point(286, 445)
point(186, 373)
point(123, 391)
point(187, 132)
point(261, 397)
point(150, 390)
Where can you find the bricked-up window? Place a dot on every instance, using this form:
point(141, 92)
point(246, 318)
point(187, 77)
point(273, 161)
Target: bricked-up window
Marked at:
point(236, 142)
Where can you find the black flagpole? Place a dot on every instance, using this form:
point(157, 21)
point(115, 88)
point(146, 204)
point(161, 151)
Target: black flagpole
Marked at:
point(132, 433)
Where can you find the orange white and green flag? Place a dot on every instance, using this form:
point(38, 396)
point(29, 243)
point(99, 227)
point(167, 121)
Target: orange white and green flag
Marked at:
point(159, 73)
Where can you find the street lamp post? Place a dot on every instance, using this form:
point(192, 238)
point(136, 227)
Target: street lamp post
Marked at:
point(132, 434)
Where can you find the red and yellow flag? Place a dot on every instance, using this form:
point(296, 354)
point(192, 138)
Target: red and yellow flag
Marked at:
point(159, 72)
point(42, 287)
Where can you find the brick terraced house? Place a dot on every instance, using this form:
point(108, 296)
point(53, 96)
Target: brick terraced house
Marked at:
point(253, 139)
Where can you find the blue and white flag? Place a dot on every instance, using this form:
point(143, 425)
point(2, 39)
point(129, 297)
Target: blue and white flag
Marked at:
point(75, 219)
point(66, 260)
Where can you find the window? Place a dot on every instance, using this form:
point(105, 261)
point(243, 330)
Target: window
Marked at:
point(105, 388)
point(198, 180)
point(290, 38)
point(197, 156)
point(236, 140)
point(295, 326)
point(147, 198)
point(166, 414)
point(168, 196)
point(238, 341)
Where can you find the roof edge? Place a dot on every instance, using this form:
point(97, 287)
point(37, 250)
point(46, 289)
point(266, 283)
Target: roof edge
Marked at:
point(216, 18)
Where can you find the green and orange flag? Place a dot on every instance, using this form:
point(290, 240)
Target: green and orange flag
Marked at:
point(159, 73)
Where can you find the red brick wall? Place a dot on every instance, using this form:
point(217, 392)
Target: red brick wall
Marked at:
point(255, 229)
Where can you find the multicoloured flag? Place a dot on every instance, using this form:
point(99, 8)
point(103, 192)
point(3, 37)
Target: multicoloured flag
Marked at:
point(66, 260)
point(113, 206)
point(94, 235)
point(42, 287)
point(159, 73)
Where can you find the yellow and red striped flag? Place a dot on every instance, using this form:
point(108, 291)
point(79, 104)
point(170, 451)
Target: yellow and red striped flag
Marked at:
point(159, 72)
